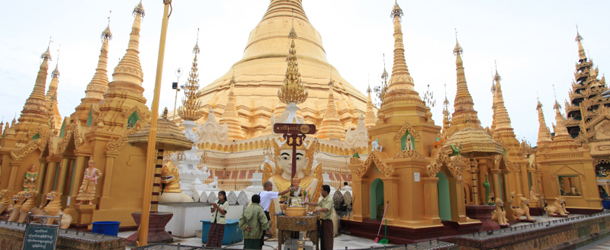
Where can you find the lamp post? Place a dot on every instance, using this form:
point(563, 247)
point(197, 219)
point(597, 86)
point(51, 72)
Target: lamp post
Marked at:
point(150, 151)
point(178, 73)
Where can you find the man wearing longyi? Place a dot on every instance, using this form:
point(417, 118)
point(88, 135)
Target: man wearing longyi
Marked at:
point(326, 210)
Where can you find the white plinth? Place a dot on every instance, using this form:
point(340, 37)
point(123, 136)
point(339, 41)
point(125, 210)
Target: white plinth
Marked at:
point(187, 216)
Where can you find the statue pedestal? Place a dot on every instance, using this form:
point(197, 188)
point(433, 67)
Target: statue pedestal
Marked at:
point(536, 211)
point(156, 228)
point(85, 215)
point(482, 213)
point(188, 216)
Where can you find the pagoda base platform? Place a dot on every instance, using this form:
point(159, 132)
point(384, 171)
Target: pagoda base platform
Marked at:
point(536, 211)
point(403, 235)
point(587, 211)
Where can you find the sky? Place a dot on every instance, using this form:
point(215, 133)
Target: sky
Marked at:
point(531, 41)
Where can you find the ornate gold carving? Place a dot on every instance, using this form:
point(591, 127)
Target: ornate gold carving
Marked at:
point(72, 130)
point(374, 158)
point(143, 114)
point(354, 160)
point(437, 163)
point(116, 144)
point(409, 154)
point(39, 144)
point(292, 90)
point(406, 127)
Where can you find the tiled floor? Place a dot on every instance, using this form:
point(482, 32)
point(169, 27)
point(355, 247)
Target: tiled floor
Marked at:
point(341, 242)
point(344, 241)
point(602, 244)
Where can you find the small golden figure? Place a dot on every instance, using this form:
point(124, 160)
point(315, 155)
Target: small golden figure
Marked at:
point(86, 191)
point(29, 182)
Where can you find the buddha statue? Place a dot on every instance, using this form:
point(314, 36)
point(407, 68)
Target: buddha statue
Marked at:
point(296, 196)
point(281, 175)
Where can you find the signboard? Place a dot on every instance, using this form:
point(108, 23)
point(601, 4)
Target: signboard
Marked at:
point(416, 176)
point(291, 128)
point(38, 237)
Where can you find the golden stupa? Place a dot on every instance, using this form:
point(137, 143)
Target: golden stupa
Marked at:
point(263, 67)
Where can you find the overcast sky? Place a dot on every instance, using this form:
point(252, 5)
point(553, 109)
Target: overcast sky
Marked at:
point(532, 41)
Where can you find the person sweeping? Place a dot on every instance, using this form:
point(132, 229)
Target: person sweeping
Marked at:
point(253, 223)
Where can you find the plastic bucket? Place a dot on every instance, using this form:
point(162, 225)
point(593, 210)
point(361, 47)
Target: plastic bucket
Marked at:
point(606, 204)
point(106, 227)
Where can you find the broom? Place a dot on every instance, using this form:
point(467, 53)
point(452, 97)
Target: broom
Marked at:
point(385, 234)
point(381, 224)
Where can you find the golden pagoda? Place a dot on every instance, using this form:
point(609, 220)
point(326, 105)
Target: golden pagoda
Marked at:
point(568, 171)
point(34, 116)
point(402, 168)
point(262, 67)
point(97, 87)
point(331, 127)
point(503, 133)
point(588, 114)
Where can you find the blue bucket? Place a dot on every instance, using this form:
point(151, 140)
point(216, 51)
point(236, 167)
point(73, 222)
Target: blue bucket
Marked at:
point(106, 227)
point(606, 204)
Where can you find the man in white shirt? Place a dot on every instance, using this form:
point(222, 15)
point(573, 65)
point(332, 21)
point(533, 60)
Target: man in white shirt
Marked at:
point(266, 197)
point(346, 187)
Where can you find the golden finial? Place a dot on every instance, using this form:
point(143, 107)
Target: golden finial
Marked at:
point(396, 11)
point(106, 34)
point(47, 54)
point(556, 106)
point(192, 107)
point(497, 76)
point(578, 37)
point(458, 49)
point(196, 48)
point(139, 10)
point(292, 90)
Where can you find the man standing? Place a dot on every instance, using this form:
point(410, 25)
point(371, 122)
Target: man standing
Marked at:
point(266, 197)
point(253, 224)
point(326, 210)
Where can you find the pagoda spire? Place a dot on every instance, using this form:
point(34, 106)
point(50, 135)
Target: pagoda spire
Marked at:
point(192, 108)
point(369, 118)
point(561, 132)
point(501, 118)
point(446, 114)
point(331, 127)
point(35, 110)
point(230, 116)
point(98, 85)
point(129, 70)
point(581, 50)
point(463, 104)
point(51, 97)
point(125, 91)
point(544, 135)
point(401, 83)
point(54, 80)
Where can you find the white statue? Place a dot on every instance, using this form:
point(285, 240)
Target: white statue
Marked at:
point(376, 145)
point(214, 185)
point(409, 143)
point(268, 162)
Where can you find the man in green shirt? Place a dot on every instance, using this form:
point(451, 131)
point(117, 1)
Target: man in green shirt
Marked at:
point(253, 223)
point(325, 209)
